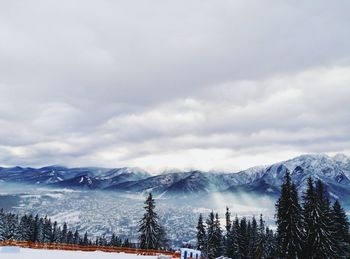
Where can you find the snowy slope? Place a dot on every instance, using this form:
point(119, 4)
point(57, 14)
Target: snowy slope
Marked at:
point(329, 170)
point(56, 254)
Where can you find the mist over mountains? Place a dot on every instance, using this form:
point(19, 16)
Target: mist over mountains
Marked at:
point(333, 171)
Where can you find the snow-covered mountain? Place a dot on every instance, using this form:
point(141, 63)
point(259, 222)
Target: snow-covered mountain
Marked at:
point(84, 177)
point(333, 171)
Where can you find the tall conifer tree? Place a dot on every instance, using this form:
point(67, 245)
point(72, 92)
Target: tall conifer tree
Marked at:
point(232, 244)
point(325, 241)
point(243, 239)
point(289, 221)
point(201, 235)
point(340, 227)
point(149, 230)
point(228, 227)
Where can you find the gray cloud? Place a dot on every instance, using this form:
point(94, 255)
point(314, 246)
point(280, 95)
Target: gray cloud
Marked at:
point(204, 84)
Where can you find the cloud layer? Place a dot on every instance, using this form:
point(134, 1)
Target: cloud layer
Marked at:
point(187, 84)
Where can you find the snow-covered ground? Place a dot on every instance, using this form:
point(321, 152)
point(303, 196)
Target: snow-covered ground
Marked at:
point(25, 253)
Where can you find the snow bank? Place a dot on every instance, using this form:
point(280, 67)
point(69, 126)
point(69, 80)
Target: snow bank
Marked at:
point(25, 253)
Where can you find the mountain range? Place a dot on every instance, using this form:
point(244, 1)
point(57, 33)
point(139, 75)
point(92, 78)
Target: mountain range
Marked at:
point(264, 180)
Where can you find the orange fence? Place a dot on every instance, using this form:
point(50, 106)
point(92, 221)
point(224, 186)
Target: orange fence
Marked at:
point(108, 249)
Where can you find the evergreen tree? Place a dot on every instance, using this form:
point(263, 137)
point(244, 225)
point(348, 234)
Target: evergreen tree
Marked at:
point(102, 241)
point(126, 243)
point(11, 226)
point(150, 229)
point(2, 225)
point(228, 226)
point(340, 225)
point(40, 230)
point(47, 230)
point(243, 239)
point(325, 240)
point(311, 219)
point(253, 238)
point(201, 235)
point(218, 236)
point(64, 234)
point(232, 248)
point(70, 237)
point(76, 238)
point(271, 245)
point(86, 240)
point(35, 233)
point(59, 235)
point(54, 236)
point(212, 244)
point(25, 226)
point(113, 240)
point(289, 221)
point(261, 239)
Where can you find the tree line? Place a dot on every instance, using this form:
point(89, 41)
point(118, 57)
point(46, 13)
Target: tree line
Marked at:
point(42, 230)
point(241, 238)
point(37, 229)
point(311, 229)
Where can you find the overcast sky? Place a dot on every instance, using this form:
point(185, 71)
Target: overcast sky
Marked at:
point(212, 85)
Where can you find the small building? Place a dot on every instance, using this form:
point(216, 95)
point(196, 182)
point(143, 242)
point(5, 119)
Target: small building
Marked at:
point(187, 253)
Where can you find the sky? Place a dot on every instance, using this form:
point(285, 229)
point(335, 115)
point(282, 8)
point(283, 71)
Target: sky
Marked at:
point(186, 84)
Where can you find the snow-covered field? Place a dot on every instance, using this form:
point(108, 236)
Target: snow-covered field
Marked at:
point(25, 253)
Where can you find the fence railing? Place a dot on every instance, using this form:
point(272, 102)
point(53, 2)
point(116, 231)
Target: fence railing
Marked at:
point(68, 247)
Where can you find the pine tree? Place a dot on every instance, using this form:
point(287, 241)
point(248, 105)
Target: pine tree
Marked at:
point(340, 227)
point(76, 238)
point(86, 240)
point(201, 235)
point(64, 233)
point(218, 236)
point(54, 236)
point(228, 226)
point(25, 233)
point(261, 239)
point(289, 221)
point(232, 244)
point(102, 241)
point(271, 244)
point(319, 240)
point(34, 237)
point(40, 230)
point(311, 219)
point(47, 230)
point(11, 226)
point(243, 239)
point(126, 243)
point(2, 225)
point(70, 237)
point(212, 234)
point(150, 229)
point(59, 235)
point(254, 240)
point(113, 240)
point(325, 241)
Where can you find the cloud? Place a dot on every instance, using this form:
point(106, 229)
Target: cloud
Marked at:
point(187, 84)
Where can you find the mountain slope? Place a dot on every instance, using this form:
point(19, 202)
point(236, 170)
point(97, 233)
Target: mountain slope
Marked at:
point(266, 180)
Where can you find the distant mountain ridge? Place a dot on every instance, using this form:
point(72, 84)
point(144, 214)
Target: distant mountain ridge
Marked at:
point(333, 171)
